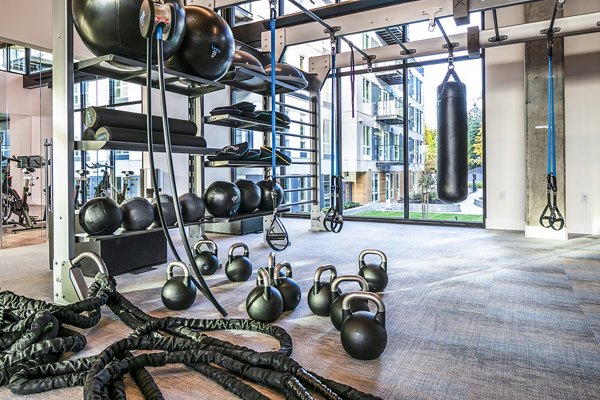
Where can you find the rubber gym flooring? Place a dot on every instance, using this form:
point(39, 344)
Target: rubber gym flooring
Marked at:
point(471, 314)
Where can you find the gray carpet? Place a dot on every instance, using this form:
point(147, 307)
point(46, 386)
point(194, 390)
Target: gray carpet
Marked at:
point(471, 314)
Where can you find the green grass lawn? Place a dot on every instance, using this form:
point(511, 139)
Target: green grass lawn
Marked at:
point(417, 215)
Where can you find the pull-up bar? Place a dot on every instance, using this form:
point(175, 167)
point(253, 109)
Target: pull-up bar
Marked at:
point(331, 30)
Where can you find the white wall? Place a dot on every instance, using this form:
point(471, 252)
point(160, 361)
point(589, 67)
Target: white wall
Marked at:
point(30, 113)
point(30, 22)
point(505, 130)
point(505, 141)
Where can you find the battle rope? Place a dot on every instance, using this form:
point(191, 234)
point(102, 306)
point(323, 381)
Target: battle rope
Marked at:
point(200, 283)
point(33, 337)
point(551, 216)
point(276, 235)
point(334, 221)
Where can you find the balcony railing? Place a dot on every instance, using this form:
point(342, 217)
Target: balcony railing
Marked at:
point(390, 110)
point(391, 154)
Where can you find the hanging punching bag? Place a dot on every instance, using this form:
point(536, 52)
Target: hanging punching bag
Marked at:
point(452, 140)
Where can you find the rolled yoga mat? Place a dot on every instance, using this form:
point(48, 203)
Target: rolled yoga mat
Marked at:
point(110, 133)
point(95, 117)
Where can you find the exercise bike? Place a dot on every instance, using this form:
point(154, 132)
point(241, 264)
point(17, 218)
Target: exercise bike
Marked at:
point(12, 202)
point(126, 185)
point(104, 187)
point(81, 184)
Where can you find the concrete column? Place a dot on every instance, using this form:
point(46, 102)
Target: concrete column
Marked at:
point(536, 106)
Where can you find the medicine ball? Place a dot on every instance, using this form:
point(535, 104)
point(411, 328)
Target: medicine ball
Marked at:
point(266, 194)
point(192, 207)
point(250, 195)
point(111, 27)
point(222, 199)
point(168, 208)
point(138, 214)
point(100, 216)
point(208, 45)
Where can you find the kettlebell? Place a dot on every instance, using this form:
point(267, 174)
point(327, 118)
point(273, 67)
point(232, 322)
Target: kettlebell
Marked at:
point(207, 260)
point(238, 268)
point(375, 274)
point(179, 292)
point(320, 296)
point(336, 306)
point(271, 264)
point(264, 303)
point(289, 288)
point(363, 334)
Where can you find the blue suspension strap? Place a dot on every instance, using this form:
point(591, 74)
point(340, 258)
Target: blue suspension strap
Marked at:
point(551, 217)
point(334, 220)
point(276, 235)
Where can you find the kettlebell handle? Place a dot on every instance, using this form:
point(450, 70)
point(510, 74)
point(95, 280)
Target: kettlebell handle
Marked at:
point(236, 246)
point(280, 266)
point(263, 279)
point(271, 263)
point(381, 254)
point(183, 266)
point(364, 286)
point(323, 268)
point(92, 256)
point(375, 298)
point(212, 246)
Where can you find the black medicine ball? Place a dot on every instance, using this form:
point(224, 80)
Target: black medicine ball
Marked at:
point(250, 193)
point(222, 199)
point(100, 216)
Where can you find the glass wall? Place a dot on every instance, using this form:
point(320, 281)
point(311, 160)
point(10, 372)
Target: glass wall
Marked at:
point(107, 169)
point(390, 120)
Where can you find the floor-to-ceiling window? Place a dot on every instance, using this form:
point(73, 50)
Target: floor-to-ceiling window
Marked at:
point(395, 115)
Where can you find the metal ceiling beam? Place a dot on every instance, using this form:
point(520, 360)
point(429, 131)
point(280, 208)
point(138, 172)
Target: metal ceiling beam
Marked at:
point(391, 15)
point(218, 4)
point(568, 26)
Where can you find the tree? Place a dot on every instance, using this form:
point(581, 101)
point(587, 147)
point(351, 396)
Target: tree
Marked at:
point(474, 134)
point(430, 140)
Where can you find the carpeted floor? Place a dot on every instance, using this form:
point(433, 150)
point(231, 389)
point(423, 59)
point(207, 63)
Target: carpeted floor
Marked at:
point(471, 314)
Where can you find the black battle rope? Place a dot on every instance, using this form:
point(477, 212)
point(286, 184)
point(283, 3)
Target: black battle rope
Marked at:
point(276, 235)
point(551, 216)
point(167, 139)
point(334, 220)
point(33, 338)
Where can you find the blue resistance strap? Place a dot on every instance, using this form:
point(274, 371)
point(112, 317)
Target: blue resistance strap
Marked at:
point(276, 236)
point(551, 216)
point(272, 24)
point(333, 220)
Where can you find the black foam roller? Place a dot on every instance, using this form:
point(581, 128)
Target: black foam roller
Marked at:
point(137, 136)
point(95, 117)
point(452, 142)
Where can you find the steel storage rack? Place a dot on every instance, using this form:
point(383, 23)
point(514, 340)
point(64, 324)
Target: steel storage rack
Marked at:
point(67, 282)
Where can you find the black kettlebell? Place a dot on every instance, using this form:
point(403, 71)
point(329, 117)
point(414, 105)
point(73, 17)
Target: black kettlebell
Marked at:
point(320, 296)
point(238, 268)
point(336, 306)
point(264, 303)
point(289, 288)
point(375, 274)
point(271, 264)
point(363, 333)
point(179, 292)
point(207, 260)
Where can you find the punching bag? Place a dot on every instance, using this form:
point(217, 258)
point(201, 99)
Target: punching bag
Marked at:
point(452, 140)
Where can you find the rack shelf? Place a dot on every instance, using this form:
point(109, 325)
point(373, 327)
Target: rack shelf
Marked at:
point(246, 79)
point(240, 163)
point(240, 122)
point(96, 145)
point(125, 69)
point(84, 237)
